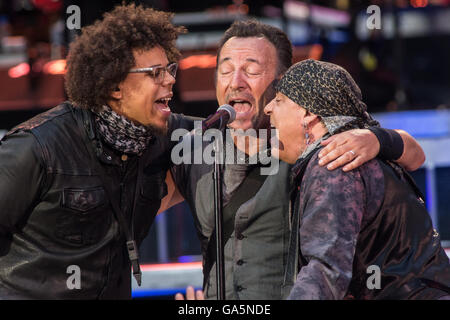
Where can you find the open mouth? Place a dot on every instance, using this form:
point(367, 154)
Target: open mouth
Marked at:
point(241, 106)
point(163, 105)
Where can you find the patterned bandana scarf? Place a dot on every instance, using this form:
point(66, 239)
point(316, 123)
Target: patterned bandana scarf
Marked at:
point(329, 91)
point(120, 133)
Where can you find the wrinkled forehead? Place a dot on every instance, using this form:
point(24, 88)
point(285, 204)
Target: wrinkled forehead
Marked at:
point(248, 49)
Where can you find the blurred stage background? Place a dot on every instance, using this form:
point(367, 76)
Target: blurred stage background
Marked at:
point(403, 70)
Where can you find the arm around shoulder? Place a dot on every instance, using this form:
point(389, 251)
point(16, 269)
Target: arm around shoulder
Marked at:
point(399, 146)
point(353, 148)
point(413, 156)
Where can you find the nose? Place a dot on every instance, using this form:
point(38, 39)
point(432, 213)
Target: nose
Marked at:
point(238, 80)
point(268, 108)
point(168, 79)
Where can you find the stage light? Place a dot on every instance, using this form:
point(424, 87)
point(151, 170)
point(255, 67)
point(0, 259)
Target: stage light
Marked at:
point(316, 52)
point(55, 67)
point(202, 61)
point(20, 70)
point(419, 3)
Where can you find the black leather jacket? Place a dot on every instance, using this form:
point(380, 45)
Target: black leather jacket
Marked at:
point(55, 213)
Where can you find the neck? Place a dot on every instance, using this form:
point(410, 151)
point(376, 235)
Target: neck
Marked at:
point(318, 131)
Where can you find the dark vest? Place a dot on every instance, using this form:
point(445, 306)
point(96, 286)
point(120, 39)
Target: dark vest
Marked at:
point(256, 253)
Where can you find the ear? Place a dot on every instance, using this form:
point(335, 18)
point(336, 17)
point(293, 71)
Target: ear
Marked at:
point(311, 119)
point(117, 93)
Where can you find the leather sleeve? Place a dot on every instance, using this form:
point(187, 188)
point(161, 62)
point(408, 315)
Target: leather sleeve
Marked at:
point(180, 174)
point(21, 177)
point(180, 171)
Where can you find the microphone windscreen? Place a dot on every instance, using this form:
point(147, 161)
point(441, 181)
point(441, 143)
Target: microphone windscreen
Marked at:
point(230, 110)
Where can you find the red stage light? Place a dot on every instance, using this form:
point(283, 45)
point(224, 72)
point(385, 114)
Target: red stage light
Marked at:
point(202, 61)
point(20, 70)
point(419, 3)
point(48, 6)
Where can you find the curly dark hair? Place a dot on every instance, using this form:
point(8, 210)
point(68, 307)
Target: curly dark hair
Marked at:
point(100, 58)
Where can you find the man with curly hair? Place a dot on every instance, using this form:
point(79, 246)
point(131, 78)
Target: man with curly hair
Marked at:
point(73, 206)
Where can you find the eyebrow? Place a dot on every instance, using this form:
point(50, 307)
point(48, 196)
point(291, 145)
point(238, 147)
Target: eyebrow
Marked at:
point(153, 66)
point(248, 60)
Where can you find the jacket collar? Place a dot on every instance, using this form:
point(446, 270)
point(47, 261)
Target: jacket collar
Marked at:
point(298, 169)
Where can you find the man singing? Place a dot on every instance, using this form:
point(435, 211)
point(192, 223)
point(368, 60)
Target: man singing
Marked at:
point(81, 183)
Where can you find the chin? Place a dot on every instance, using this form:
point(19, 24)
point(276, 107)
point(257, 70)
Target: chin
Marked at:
point(279, 154)
point(286, 158)
point(241, 125)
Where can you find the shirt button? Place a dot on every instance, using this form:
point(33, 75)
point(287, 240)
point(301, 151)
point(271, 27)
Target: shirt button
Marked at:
point(239, 288)
point(240, 236)
point(240, 262)
point(124, 157)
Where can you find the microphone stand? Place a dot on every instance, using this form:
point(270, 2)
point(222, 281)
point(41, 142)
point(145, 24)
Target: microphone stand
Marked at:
point(218, 214)
point(219, 120)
